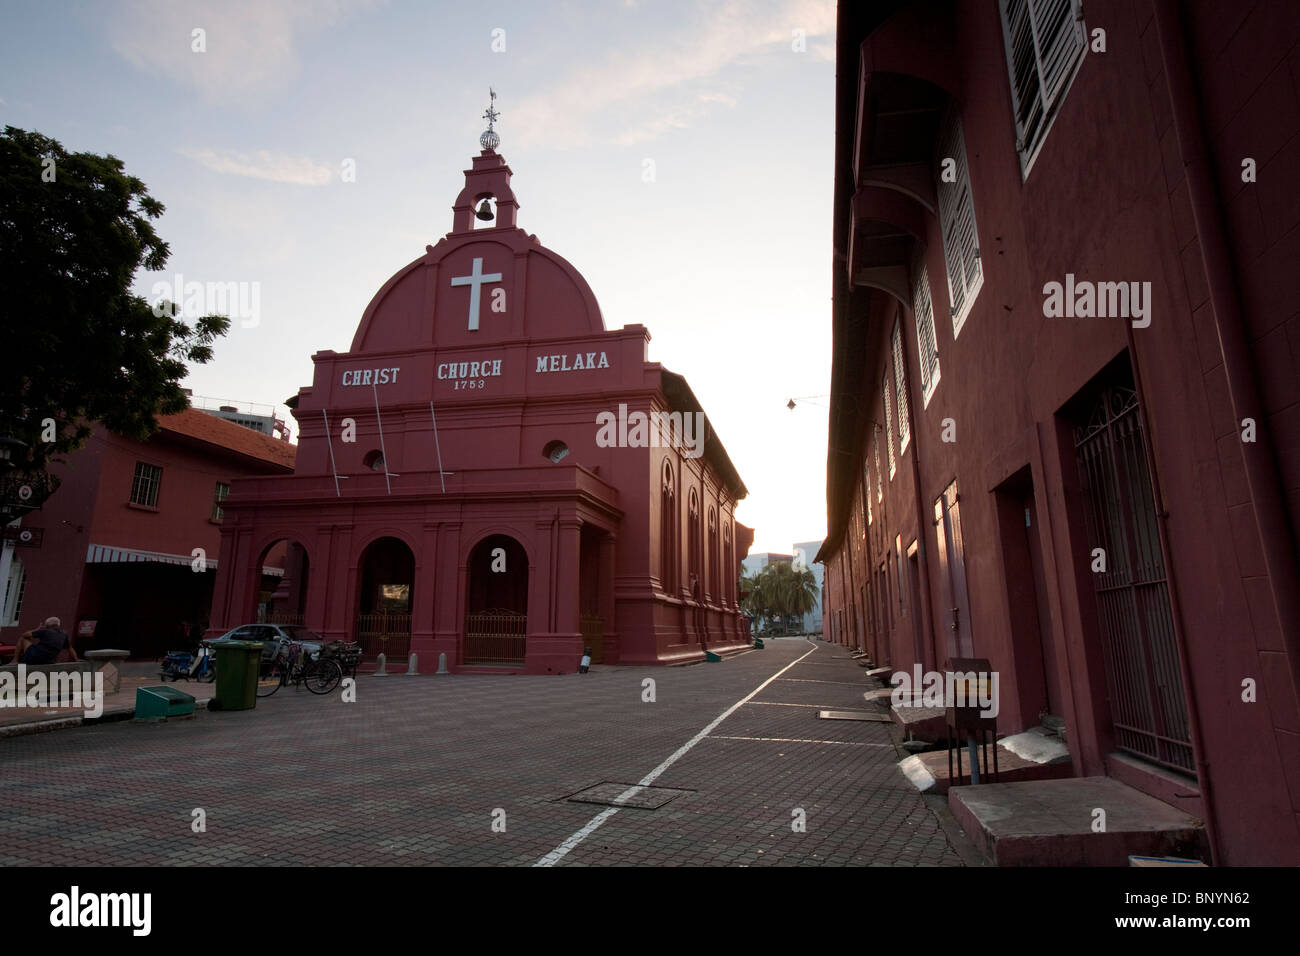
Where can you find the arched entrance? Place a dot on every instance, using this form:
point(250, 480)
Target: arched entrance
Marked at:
point(386, 595)
point(496, 618)
point(282, 574)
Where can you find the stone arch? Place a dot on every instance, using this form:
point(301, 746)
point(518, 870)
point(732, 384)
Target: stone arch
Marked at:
point(503, 530)
point(496, 602)
point(280, 580)
point(385, 595)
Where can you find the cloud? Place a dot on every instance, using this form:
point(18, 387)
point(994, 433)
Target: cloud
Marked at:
point(661, 76)
point(679, 117)
point(250, 45)
point(276, 167)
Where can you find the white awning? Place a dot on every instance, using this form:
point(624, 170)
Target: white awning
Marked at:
point(108, 554)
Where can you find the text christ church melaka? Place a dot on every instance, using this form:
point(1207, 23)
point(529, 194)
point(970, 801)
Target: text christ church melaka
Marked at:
point(455, 493)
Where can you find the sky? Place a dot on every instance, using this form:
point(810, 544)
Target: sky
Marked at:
point(314, 147)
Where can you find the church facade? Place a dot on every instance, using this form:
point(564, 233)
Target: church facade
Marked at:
point(490, 474)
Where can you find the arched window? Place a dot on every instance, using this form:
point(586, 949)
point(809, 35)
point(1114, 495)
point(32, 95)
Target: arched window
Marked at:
point(715, 579)
point(693, 549)
point(668, 530)
point(729, 583)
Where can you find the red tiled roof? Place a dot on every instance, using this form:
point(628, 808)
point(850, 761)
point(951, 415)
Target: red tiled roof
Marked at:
point(203, 427)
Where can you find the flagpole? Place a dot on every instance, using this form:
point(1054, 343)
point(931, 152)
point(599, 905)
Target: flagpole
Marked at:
point(437, 447)
point(333, 467)
point(382, 451)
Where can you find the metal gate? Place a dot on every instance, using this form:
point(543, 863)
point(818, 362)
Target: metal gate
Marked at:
point(1147, 706)
point(388, 634)
point(593, 636)
point(496, 636)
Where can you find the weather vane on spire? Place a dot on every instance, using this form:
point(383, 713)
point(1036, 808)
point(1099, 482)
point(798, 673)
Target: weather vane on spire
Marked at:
point(489, 139)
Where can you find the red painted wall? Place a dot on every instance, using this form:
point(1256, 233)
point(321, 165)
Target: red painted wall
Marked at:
point(1106, 199)
point(92, 506)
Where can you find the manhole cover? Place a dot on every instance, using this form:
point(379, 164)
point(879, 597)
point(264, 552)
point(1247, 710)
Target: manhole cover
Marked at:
point(852, 715)
point(626, 795)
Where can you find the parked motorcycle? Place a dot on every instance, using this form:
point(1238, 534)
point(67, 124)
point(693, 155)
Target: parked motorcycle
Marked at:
point(188, 665)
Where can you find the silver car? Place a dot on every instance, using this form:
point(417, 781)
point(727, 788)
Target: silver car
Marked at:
point(274, 637)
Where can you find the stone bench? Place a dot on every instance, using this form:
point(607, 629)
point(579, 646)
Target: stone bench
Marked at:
point(110, 661)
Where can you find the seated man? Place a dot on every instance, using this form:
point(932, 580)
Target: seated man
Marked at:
point(44, 645)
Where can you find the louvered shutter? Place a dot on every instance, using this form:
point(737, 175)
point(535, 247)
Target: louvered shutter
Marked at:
point(889, 423)
point(1059, 37)
point(875, 449)
point(866, 477)
point(900, 383)
point(923, 315)
point(957, 214)
point(1043, 39)
point(1022, 68)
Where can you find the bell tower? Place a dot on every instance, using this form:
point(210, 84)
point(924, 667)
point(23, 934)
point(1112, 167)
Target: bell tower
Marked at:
point(488, 179)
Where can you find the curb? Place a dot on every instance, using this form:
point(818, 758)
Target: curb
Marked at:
point(67, 723)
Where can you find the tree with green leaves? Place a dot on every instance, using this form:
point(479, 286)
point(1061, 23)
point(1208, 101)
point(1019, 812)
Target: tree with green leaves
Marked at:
point(780, 592)
point(79, 348)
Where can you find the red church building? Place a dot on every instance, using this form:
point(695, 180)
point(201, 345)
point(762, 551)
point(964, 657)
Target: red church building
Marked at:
point(490, 474)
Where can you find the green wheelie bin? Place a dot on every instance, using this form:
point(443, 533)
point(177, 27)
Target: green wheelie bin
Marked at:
point(237, 669)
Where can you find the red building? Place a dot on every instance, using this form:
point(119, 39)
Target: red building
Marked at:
point(490, 474)
point(112, 552)
point(1065, 432)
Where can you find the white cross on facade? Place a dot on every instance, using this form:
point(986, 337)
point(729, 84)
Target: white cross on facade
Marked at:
point(475, 280)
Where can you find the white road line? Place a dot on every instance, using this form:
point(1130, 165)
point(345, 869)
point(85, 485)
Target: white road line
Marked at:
point(773, 703)
point(810, 680)
point(595, 822)
point(803, 740)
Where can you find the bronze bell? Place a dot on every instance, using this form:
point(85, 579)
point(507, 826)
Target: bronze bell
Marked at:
point(485, 212)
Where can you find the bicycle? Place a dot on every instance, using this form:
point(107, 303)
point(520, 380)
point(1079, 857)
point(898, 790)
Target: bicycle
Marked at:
point(347, 655)
point(291, 665)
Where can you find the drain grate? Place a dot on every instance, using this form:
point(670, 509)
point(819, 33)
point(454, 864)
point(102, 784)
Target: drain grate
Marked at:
point(852, 715)
point(627, 795)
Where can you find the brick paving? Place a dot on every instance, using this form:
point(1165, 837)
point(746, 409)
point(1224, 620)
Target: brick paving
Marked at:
point(413, 771)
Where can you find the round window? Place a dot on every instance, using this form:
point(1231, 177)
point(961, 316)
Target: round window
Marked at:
point(556, 450)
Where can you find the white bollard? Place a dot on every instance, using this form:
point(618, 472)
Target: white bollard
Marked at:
point(380, 670)
point(413, 666)
point(442, 664)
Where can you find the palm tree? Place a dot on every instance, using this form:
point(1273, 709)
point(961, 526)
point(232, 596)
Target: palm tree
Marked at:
point(779, 592)
point(803, 593)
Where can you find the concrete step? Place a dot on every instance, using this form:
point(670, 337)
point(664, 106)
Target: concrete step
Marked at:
point(920, 723)
point(928, 771)
point(1050, 823)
